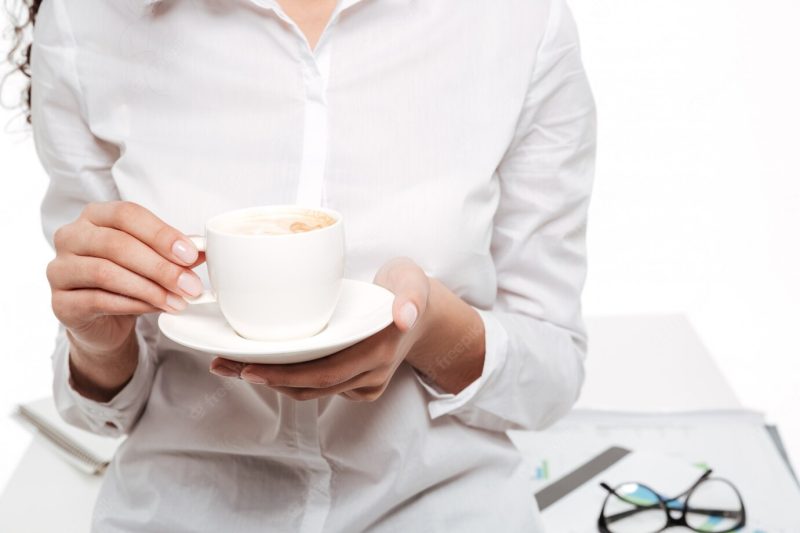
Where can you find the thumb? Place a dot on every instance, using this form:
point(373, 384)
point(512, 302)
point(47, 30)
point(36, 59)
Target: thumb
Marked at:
point(411, 287)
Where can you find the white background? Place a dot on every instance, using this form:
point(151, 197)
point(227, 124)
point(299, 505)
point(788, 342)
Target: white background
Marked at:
point(695, 207)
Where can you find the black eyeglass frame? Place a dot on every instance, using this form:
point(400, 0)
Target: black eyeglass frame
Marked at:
point(663, 503)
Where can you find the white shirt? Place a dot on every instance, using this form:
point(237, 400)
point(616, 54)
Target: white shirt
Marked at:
point(459, 134)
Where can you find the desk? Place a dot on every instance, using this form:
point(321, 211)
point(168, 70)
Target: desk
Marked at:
point(657, 359)
point(650, 353)
point(47, 494)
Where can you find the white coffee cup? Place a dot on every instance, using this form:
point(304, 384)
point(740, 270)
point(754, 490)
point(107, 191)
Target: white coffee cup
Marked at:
point(273, 286)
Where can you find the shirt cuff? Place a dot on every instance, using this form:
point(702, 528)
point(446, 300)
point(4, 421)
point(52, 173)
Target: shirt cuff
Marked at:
point(112, 418)
point(496, 339)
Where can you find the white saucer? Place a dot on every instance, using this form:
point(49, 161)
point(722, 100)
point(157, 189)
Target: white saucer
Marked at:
point(363, 310)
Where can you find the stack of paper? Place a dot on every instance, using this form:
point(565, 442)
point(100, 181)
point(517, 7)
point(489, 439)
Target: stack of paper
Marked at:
point(735, 444)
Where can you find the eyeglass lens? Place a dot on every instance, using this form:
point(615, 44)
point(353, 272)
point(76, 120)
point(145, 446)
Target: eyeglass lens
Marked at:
point(633, 508)
point(713, 506)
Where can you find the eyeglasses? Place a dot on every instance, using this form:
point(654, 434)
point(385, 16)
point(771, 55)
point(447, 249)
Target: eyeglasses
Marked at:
point(710, 505)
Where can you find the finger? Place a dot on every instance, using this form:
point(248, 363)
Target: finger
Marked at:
point(201, 258)
point(367, 380)
point(132, 254)
point(411, 287)
point(82, 304)
point(366, 394)
point(79, 272)
point(305, 375)
point(226, 368)
point(145, 226)
point(372, 353)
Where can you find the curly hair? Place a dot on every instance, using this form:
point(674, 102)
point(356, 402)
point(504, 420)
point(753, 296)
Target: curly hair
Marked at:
point(23, 17)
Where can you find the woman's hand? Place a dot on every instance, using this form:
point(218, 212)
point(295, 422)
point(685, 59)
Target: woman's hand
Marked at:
point(428, 321)
point(115, 262)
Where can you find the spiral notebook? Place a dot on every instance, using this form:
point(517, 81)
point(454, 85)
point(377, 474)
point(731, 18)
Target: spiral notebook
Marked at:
point(89, 452)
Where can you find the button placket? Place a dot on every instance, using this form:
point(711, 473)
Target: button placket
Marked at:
point(315, 67)
point(310, 191)
point(311, 181)
point(315, 72)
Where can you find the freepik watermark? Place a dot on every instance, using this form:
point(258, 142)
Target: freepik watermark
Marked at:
point(211, 400)
point(442, 362)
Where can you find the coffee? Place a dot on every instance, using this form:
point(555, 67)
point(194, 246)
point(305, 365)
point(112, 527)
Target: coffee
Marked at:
point(279, 223)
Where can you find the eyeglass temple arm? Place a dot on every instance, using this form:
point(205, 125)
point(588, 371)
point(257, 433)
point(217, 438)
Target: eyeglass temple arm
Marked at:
point(714, 512)
point(707, 512)
point(691, 488)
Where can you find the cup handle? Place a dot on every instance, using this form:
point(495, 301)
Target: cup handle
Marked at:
point(199, 242)
point(207, 296)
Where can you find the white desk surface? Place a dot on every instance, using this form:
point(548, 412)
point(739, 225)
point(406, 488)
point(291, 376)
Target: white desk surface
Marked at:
point(651, 363)
point(47, 494)
point(648, 363)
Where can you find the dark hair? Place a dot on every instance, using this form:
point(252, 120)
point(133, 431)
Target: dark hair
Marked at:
point(23, 17)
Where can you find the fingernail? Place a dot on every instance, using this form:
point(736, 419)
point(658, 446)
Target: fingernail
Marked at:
point(408, 314)
point(176, 302)
point(254, 379)
point(224, 371)
point(185, 251)
point(190, 284)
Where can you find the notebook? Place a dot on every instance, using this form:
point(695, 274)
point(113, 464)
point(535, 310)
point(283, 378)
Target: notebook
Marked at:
point(89, 452)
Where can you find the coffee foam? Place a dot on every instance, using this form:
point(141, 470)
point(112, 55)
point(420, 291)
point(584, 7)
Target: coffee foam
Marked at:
point(280, 223)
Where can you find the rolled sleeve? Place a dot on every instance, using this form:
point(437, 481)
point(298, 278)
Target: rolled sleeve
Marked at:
point(113, 418)
point(463, 403)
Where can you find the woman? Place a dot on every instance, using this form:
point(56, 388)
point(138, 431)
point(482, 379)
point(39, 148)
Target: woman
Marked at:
point(457, 138)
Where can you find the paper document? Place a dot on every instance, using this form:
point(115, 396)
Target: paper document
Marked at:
point(735, 444)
